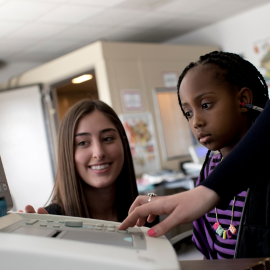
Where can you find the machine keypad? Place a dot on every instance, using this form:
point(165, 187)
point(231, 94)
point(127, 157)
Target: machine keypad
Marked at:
point(74, 224)
point(31, 222)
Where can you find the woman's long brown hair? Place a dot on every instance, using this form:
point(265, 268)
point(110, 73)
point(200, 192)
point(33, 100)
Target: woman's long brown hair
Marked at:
point(68, 189)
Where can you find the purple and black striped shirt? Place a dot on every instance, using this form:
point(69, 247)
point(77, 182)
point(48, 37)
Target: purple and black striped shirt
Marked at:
point(211, 245)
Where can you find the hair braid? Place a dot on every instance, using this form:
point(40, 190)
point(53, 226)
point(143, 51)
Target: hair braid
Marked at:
point(191, 65)
point(232, 69)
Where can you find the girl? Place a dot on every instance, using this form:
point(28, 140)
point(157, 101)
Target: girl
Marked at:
point(95, 175)
point(212, 93)
point(246, 167)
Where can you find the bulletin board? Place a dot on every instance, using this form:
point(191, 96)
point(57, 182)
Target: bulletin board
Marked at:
point(141, 136)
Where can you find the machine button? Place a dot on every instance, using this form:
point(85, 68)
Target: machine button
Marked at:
point(73, 223)
point(56, 226)
point(99, 224)
point(32, 222)
point(49, 220)
point(122, 231)
point(43, 225)
point(61, 221)
point(111, 230)
point(111, 226)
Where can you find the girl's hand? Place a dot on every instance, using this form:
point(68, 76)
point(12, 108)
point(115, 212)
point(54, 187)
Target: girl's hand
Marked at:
point(30, 209)
point(182, 208)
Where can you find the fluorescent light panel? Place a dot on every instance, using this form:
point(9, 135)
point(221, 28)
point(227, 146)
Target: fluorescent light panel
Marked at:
point(83, 78)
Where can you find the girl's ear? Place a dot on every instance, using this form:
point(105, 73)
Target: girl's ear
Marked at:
point(246, 96)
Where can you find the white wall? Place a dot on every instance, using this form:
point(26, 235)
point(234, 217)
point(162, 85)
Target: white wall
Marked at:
point(237, 34)
point(24, 147)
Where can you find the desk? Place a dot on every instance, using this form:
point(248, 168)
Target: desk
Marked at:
point(233, 264)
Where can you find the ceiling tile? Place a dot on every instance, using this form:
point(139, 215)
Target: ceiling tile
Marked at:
point(82, 33)
point(43, 1)
point(53, 46)
point(121, 34)
point(70, 14)
point(8, 27)
point(184, 6)
point(24, 11)
point(144, 4)
point(159, 36)
point(37, 31)
point(223, 10)
point(186, 23)
point(102, 3)
point(9, 45)
point(151, 20)
point(114, 16)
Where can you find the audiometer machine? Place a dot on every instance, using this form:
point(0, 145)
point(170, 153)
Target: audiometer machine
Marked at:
point(50, 242)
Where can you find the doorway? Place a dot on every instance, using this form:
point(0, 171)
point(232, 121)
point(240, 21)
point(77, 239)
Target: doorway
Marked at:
point(67, 93)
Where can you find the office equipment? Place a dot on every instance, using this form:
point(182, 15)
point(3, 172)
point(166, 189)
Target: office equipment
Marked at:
point(33, 241)
point(198, 153)
point(6, 203)
point(156, 177)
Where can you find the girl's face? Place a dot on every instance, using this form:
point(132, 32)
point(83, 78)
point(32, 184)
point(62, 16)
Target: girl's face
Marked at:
point(213, 110)
point(99, 153)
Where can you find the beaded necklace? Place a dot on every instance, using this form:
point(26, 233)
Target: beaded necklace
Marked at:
point(218, 228)
point(220, 231)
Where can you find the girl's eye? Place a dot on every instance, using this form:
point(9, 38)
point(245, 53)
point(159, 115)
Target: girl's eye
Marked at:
point(188, 115)
point(206, 105)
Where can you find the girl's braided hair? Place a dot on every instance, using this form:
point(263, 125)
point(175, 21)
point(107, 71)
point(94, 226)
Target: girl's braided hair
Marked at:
point(235, 71)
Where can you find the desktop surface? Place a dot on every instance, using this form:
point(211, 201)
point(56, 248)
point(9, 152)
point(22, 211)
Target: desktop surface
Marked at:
point(231, 264)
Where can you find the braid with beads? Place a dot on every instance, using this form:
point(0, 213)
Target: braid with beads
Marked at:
point(235, 71)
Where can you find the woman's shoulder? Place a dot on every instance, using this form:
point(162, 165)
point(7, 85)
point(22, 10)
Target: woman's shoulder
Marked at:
point(53, 209)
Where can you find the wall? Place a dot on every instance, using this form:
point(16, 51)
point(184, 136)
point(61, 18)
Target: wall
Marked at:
point(237, 34)
point(140, 66)
point(69, 65)
point(120, 66)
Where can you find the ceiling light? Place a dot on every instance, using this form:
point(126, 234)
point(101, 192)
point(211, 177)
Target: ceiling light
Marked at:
point(83, 78)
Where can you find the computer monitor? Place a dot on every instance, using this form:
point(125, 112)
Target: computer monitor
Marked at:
point(4, 189)
point(198, 153)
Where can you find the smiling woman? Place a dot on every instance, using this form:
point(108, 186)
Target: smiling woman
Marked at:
point(95, 175)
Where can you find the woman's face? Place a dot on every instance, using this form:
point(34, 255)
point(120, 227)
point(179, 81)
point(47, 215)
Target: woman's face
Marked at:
point(99, 153)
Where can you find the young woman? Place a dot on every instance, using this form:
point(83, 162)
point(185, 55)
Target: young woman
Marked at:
point(95, 175)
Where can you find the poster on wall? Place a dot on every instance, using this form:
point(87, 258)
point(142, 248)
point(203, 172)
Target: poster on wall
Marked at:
point(170, 79)
point(141, 136)
point(262, 58)
point(131, 100)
